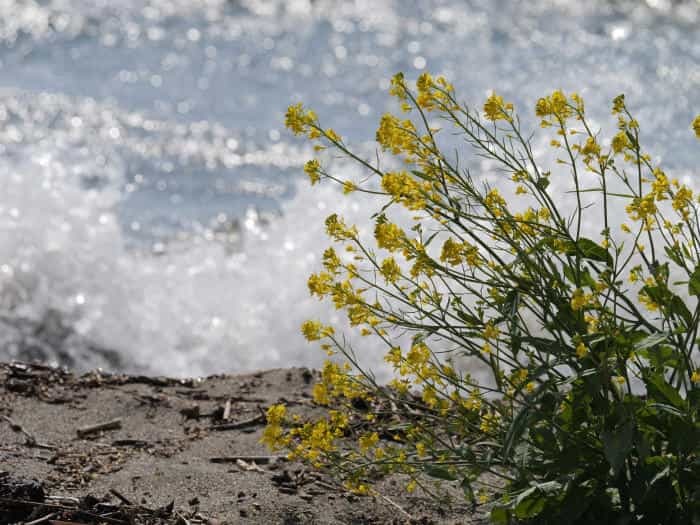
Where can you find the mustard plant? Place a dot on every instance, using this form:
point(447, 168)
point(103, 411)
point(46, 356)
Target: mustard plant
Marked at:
point(552, 376)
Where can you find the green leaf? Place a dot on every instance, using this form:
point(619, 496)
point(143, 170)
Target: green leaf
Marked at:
point(589, 249)
point(674, 255)
point(516, 429)
point(694, 283)
point(658, 388)
point(435, 471)
point(531, 502)
point(585, 278)
point(652, 340)
point(679, 308)
point(468, 490)
point(500, 515)
point(617, 444)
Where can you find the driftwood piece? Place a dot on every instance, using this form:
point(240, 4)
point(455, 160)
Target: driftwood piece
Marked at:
point(30, 440)
point(257, 420)
point(261, 460)
point(114, 424)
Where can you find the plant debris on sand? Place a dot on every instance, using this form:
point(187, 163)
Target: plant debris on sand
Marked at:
point(117, 449)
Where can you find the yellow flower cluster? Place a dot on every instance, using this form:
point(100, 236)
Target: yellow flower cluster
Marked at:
point(337, 382)
point(300, 120)
point(389, 236)
point(621, 142)
point(331, 261)
point(456, 253)
point(314, 330)
point(696, 126)
point(390, 270)
point(313, 169)
point(682, 201)
point(336, 228)
point(582, 301)
point(555, 106)
point(273, 434)
point(396, 135)
point(433, 93)
point(495, 203)
point(496, 109)
point(316, 440)
point(581, 350)
point(405, 189)
point(643, 209)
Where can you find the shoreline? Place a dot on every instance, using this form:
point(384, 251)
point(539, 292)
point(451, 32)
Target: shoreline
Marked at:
point(138, 443)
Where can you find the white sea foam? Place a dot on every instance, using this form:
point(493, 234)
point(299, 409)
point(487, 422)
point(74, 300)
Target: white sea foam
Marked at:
point(152, 202)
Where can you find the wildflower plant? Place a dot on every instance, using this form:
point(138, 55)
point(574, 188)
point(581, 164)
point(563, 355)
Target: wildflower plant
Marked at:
point(585, 405)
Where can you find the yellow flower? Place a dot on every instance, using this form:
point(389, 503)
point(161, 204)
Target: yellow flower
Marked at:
point(488, 422)
point(490, 331)
point(695, 377)
point(367, 441)
point(530, 387)
point(647, 302)
point(320, 394)
point(642, 209)
point(618, 104)
point(405, 189)
point(398, 88)
point(682, 201)
point(494, 202)
point(331, 261)
point(579, 300)
point(298, 120)
point(455, 253)
point(390, 270)
point(333, 136)
point(555, 105)
point(696, 126)
point(348, 187)
point(320, 284)
point(496, 109)
point(389, 236)
point(620, 142)
point(591, 147)
point(312, 169)
point(336, 228)
point(313, 330)
point(581, 350)
point(273, 435)
point(396, 135)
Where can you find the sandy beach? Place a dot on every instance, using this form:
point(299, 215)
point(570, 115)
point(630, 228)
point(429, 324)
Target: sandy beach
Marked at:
point(119, 449)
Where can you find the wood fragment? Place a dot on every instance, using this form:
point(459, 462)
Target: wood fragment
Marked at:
point(136, 443)
point(114, 424)
point(257, 420)
point(42, 519)
point(249, 466)
point(261, 460)
point(397, 507)
point(120, 496)
point(30, 440)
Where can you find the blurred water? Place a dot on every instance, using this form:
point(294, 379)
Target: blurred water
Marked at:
point(152, 215)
